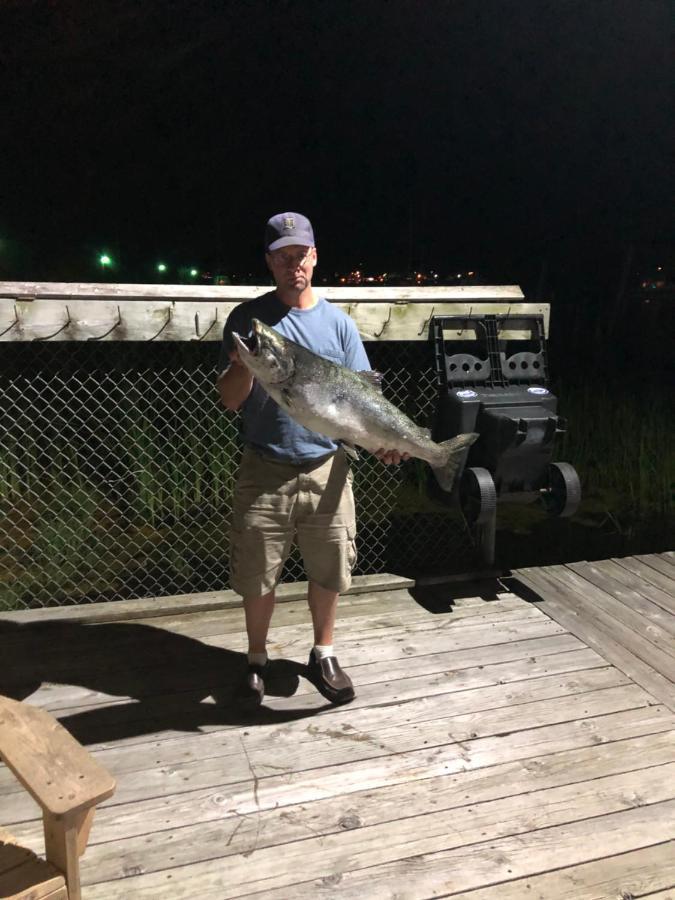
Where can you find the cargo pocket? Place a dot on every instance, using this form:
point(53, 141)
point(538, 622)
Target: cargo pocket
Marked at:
point(352, 553)
point(247, 562)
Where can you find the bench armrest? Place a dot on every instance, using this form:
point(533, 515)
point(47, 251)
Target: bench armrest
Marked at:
point(55, 769)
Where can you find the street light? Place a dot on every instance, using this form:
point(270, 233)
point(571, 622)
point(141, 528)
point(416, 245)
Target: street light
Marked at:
point(161, 267)
point(193, 273)
point(105, 260)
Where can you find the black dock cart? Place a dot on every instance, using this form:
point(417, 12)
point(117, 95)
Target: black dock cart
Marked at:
point(497, 386)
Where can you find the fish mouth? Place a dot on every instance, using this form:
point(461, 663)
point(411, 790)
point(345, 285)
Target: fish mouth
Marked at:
point(250, 345)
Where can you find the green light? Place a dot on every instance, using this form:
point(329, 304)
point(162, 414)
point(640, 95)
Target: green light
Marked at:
point(105, 260)
point(194, 273)
point(161, 267)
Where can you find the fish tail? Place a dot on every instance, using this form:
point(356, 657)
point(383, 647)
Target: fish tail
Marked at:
point(457, 449)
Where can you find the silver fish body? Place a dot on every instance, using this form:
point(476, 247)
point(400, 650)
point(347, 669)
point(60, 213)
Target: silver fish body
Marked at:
point(342, 404)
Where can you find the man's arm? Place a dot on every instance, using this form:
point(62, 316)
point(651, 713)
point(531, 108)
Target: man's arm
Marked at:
point(235, 383)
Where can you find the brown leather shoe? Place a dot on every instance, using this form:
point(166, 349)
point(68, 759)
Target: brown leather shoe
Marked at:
point(251, 691)
point(329, 679)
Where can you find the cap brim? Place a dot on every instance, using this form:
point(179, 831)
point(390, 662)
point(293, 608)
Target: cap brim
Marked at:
point(297, 241)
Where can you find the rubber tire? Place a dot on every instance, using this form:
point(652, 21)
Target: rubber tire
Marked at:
point(564, 496)
point(477, 488)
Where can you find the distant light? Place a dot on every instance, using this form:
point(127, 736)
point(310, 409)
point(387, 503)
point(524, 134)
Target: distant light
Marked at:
point(459, 274)
point(105, 260)
point(435, 276)
point(470, 273)
point(161, 267)
point(659, 268)
point(194, 273)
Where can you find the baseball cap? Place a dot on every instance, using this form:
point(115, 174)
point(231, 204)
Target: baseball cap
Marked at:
point(286, 229)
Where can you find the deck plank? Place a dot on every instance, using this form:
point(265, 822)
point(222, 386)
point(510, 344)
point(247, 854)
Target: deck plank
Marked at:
point(205, 717)
point(375, 606)
point(648, 573)
point(133, 639)
point(637, 584)
point(661, 564)
point(544, 727)
point(55, 696)
point(652, 640)
point(493, 766)
point(424, 832)
point(432, 874)
point(369, 754)
point(599, 629)
point(369, 694)
point(439, 680)
point(634, 874)
point(630, 598)
point(380, 810)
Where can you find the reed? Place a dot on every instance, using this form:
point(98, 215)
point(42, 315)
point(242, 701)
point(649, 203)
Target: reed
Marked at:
point(170, 474)
point(622, 444)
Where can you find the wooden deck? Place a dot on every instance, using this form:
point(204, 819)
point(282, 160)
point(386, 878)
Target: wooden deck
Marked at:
point(500, 746)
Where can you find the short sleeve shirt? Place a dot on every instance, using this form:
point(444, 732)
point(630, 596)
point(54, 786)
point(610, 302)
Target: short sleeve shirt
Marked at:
point(325, 330)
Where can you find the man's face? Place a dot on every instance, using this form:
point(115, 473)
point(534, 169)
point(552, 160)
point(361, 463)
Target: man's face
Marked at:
point(293, 266)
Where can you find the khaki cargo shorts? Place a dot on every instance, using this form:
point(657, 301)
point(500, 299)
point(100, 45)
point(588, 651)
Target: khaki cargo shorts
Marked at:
point(277, 502)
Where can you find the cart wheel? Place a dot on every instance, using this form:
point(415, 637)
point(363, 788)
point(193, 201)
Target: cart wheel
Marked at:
point(477, 496)
point(563, 495)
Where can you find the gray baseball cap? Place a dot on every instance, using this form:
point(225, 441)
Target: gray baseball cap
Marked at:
point(286, 229)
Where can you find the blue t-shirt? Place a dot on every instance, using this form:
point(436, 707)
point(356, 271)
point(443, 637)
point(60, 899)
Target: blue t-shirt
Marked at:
point(325, 330)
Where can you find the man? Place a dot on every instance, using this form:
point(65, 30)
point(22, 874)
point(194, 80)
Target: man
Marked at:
point(293, 483)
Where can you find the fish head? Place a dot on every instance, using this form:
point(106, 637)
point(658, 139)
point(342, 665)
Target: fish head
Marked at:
point(266, 354)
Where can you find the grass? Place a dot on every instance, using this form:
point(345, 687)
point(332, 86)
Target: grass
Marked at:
point(73, 525)
point(174, 474)
point(622, 446)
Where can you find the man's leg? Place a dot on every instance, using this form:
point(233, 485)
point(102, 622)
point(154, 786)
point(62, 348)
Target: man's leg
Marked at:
point(326, 539)
point(262, 531)
point(258, 611)
point(324, 669)
point(323, 606)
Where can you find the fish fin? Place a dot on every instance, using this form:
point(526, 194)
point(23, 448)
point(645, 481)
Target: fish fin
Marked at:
point(457, 447)
point(350, 450)
point(374, 379)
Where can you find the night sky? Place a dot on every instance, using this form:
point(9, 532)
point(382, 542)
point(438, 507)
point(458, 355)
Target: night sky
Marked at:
point(483, 135)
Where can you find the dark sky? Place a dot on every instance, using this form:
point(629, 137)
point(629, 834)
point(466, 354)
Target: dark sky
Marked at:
point(476, 133)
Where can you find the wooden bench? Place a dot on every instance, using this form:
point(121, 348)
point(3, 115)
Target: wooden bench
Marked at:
point(67, 783)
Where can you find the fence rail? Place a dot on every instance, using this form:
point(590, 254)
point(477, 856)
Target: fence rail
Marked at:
point(182, 313)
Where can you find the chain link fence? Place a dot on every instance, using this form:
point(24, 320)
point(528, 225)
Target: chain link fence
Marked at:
point(117, 465)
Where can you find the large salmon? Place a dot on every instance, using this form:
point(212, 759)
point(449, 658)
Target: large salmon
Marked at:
point(341, 404)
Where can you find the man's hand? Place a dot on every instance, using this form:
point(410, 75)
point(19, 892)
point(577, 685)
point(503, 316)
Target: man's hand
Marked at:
point(235, 383)
point(391, 457)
